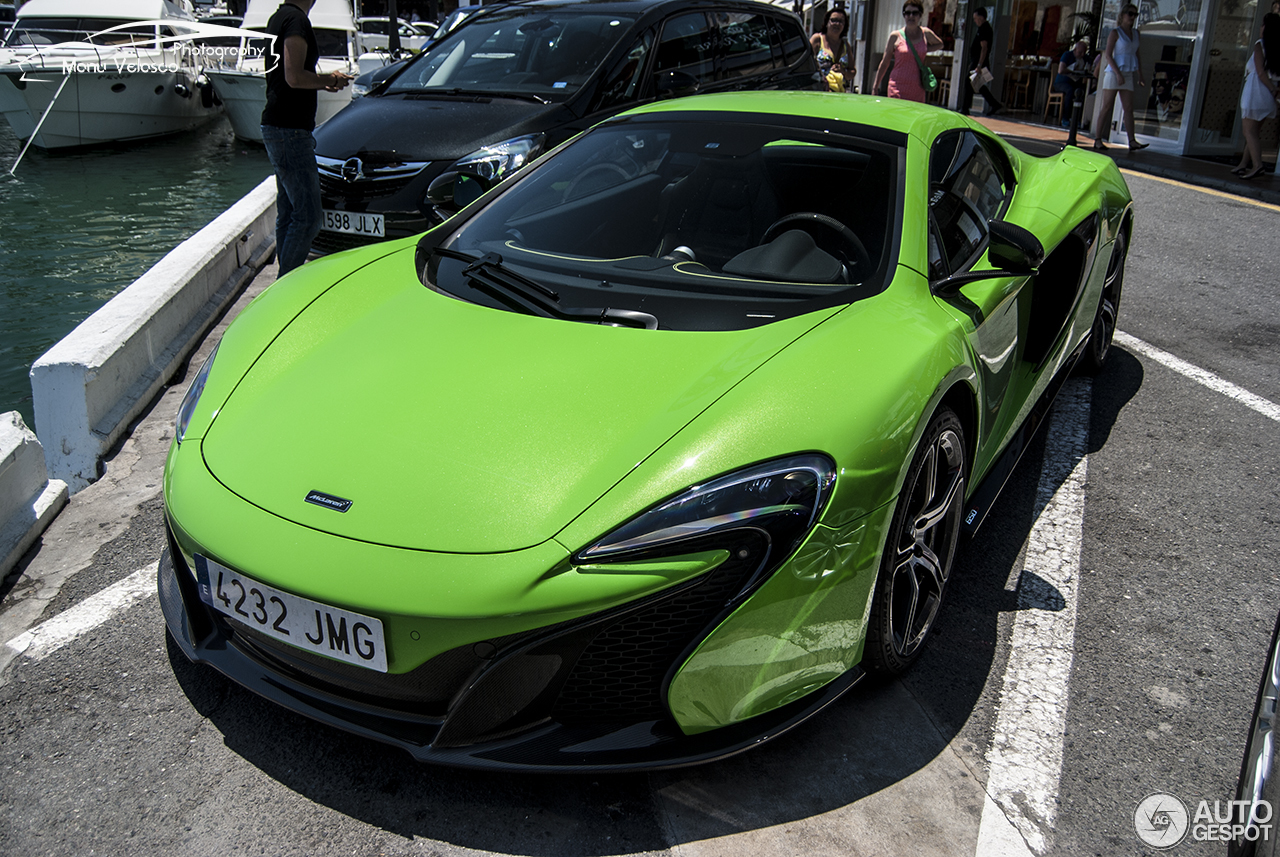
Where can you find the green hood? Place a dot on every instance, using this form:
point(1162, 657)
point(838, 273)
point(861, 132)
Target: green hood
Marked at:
point(519, 423)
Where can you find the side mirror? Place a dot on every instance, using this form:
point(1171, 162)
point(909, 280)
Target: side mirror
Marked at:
point(1014, 249)
point(676, 84)
point(451, 191)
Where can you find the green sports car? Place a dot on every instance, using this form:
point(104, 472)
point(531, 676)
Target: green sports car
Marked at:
point(649, 452)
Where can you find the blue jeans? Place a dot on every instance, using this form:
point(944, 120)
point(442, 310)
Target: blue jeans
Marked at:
point(292, 153)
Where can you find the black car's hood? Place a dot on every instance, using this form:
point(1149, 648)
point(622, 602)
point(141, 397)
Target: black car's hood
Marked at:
point(418, 128)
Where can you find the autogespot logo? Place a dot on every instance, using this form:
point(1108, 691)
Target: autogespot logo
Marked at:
point(1162, 821)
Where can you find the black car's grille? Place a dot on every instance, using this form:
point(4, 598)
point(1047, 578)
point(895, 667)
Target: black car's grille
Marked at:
point(354, 178)
point(333, 242)
point(335, 186)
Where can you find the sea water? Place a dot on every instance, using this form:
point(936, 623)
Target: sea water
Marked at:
point(76, 228)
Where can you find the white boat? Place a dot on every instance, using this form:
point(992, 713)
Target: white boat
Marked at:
point(243, 87)
point(85, 72)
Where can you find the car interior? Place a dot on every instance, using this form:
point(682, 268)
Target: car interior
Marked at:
point(725, 211)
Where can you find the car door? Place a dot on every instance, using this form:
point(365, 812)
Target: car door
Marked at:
point(970, 184)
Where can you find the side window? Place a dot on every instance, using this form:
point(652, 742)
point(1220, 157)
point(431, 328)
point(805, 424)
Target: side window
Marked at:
point(686, 45)
point(790, 39)
point(966, 190)
point(623, 82)
point(744, 44)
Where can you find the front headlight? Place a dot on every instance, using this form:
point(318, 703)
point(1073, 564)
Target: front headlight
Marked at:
point(500, 160)
point(782, 499)
point(189, 402)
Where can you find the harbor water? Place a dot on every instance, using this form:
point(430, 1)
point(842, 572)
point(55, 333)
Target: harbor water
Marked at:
point(77, 228)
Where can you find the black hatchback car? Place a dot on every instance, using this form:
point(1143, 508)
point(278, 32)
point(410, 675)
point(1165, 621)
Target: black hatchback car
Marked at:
point(513, 81)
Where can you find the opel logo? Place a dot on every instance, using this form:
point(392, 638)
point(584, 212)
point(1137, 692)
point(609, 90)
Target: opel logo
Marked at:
point(352, 170)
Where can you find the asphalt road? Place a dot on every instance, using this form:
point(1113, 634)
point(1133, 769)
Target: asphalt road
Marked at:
point(114, 744)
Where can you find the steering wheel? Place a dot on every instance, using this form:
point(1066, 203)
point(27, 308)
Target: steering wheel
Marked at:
point(849, 238)
point(595, 171)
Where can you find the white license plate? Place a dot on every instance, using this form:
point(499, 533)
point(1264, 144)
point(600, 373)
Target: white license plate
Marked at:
point(354, 223)
point(308, 625)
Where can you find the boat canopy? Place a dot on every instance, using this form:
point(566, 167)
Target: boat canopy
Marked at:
point(135, 10)
point(326, 14)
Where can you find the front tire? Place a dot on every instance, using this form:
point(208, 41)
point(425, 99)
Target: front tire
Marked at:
point(920, 549)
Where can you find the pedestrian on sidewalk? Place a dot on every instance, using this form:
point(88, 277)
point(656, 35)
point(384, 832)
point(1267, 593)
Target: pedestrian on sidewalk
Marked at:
point(979, 75)
point(903, 60)
point(1258, 99)
point(288, 119)
point(1121, 67)
point(831, 48)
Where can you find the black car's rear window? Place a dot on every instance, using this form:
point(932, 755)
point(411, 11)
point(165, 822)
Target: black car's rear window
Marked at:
point(706, 225)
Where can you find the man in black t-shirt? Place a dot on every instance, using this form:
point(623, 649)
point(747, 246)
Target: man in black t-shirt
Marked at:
point(287, 122)
point(979, 58)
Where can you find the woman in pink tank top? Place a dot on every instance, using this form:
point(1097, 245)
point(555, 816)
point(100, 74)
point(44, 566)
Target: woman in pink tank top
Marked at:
point(899, 63)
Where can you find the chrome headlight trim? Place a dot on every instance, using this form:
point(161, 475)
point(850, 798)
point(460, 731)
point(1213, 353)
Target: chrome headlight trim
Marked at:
point(499, 160)
point(792, 490)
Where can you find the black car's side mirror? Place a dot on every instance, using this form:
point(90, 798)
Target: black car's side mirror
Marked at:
point(676, 84)
point(1014, 249)
point(451, 191)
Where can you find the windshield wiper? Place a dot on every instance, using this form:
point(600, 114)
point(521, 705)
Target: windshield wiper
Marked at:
point(487, 274)
point(458, 92)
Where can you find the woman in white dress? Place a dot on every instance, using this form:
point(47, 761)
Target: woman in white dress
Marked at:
point(1121, 67)
point(1258, 99)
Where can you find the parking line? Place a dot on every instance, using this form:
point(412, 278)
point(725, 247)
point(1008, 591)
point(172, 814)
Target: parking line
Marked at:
point(1267, 408)
point(1234, 197)
point(1025, 756)
point(47, 637)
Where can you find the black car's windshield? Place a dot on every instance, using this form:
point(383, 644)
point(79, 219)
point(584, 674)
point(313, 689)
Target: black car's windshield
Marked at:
point(548, 55)
point(704, 224)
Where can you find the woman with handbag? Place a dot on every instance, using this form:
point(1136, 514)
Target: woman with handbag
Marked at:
point(832, 50)
point(903, 62)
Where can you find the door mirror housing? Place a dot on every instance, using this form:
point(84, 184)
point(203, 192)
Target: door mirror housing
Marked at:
point(676, 84)
point(452, 191)
point(1014, 249)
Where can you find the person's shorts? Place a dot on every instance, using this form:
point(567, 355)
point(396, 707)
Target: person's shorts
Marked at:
point(1110, 81)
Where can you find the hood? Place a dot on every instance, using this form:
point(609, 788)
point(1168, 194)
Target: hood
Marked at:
point(457, 428)
point(419, 128)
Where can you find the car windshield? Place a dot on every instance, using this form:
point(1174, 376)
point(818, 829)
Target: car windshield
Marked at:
point(703, 224)
point(516, 52)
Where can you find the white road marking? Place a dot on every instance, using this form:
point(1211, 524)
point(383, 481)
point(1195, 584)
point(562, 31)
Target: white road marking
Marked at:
point(1267, 408)
point(47, 637)
point(1025, 756)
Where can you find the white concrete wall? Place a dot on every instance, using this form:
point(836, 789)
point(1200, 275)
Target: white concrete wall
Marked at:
point(28, 499)
point(89, 387)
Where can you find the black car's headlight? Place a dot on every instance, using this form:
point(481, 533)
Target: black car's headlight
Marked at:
point(495, 162)
point(781, 499)
point(189, 402)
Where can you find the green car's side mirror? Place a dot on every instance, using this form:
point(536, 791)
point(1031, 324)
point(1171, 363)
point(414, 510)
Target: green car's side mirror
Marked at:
point(1014, 249)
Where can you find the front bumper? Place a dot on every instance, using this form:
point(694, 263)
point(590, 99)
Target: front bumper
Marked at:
point(521, 706)
point(396, 192)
